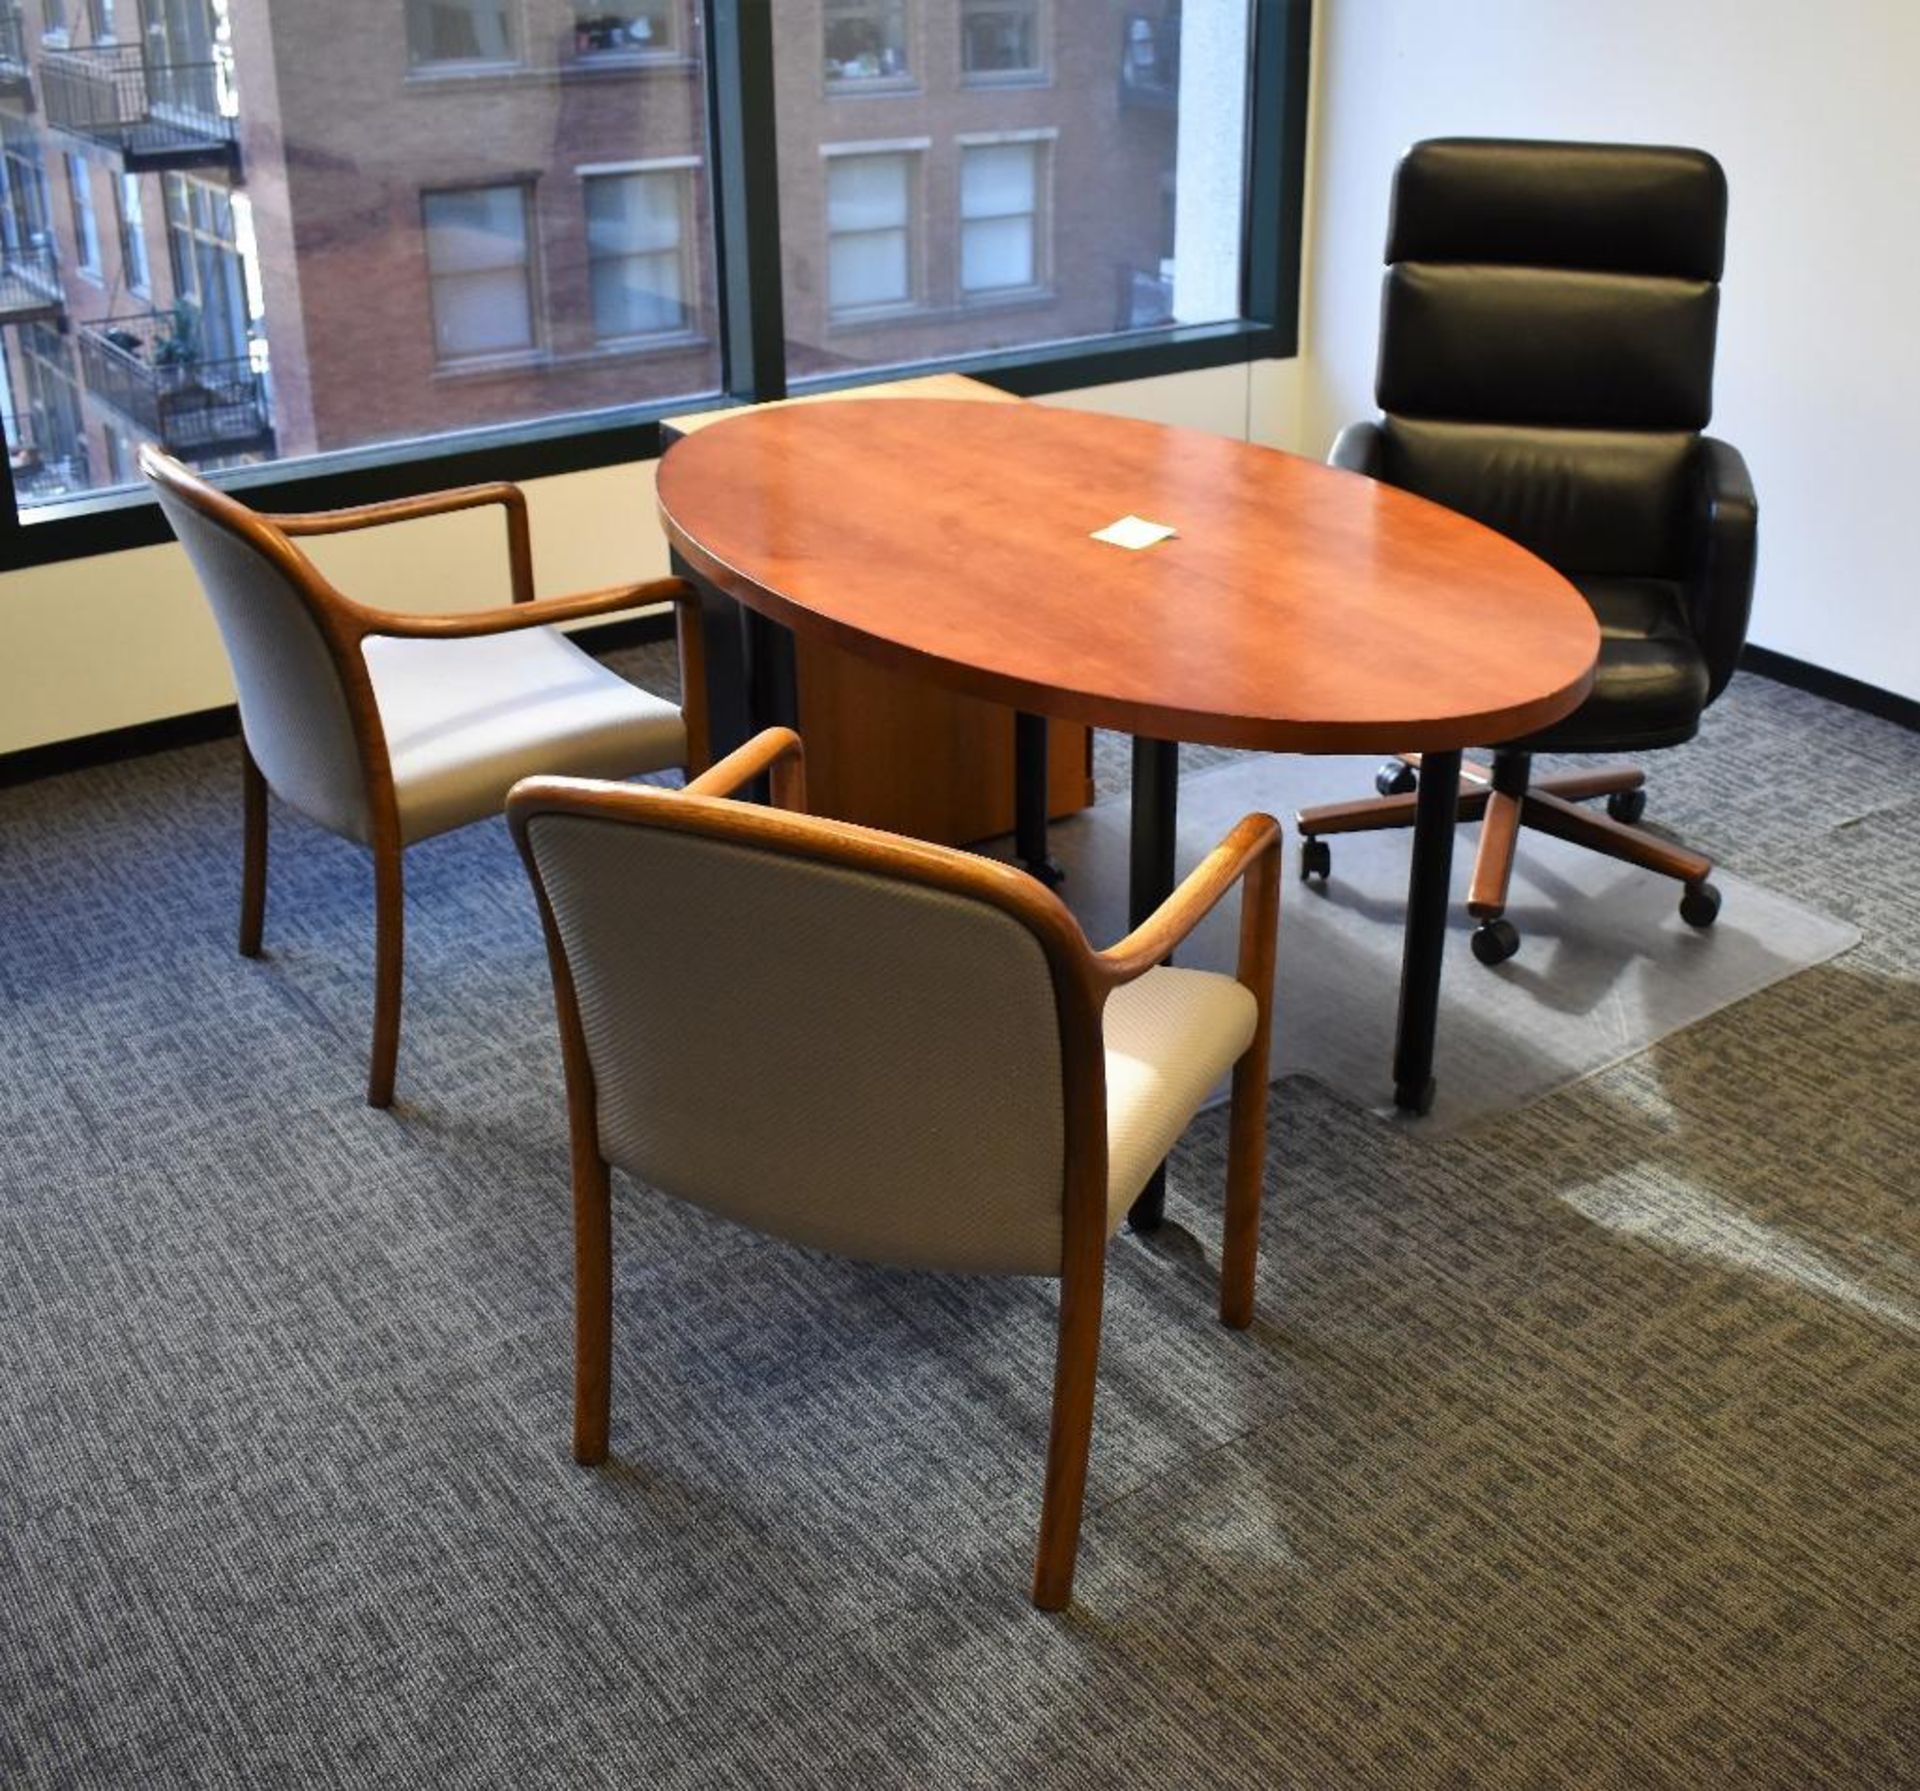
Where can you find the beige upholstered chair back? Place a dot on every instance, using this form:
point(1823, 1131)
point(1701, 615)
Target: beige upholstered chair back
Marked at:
point(856, 1062)
point(293, 711)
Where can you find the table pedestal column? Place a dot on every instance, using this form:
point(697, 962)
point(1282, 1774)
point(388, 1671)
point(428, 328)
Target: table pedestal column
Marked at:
point(1156, 816)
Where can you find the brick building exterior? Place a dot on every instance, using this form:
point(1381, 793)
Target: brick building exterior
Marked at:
point(268, 228)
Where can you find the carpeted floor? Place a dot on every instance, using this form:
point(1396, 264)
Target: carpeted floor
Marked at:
point(1578, 1449)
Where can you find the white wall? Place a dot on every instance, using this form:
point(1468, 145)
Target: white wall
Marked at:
point(1811, 108)
point(103, 643)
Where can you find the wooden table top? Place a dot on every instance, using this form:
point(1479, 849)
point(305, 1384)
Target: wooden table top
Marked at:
point(1299, 609)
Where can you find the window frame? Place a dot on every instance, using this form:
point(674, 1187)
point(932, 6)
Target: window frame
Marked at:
point(685, 169)
point(131, 225)
point(526, 187)
point(673, 50)
point(908, 80)
point(743, 193)
point(1038, 73)
point(912, 151)
point(432, 68)
point(1041, 141)
point(89, 262)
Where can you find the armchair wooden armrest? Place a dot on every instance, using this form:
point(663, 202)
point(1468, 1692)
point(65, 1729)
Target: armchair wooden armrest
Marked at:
point(433, 503)
point(502, 618)
point(779, 750)
point(1252, 851)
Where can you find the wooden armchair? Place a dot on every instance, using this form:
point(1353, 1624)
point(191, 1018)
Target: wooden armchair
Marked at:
point(387, 728)
point(887, 1049)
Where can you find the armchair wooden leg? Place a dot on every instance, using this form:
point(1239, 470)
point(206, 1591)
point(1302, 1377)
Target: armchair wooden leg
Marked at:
point(592, 1309)
point(253, 855)
point(1247, 1118)
point(1076, 1366)
point(389, 926)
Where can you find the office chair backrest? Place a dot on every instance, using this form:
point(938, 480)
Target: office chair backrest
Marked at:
point(858, 1060)
point(1547, 339)
point(268, 602)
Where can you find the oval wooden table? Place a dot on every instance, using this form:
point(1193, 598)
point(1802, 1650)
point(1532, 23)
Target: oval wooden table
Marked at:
point(1298, 609)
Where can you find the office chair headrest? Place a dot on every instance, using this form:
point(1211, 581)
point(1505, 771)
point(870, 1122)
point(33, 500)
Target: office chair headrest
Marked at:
point(1599, 207)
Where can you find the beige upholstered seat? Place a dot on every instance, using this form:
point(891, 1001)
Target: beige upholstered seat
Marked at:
point(887, 1049)
point(387, 728)
point(465, 720)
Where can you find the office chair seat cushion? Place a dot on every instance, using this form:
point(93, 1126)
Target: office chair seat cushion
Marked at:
point(1169, 1036)
point(1651, 683)
point(467, 719)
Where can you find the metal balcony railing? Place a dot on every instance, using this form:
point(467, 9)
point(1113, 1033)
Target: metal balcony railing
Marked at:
point(143, 367)
point(157, 115)
point(30, 286)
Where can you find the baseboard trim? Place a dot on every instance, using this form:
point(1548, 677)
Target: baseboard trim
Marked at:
point(1816, 680)
point(171, 732)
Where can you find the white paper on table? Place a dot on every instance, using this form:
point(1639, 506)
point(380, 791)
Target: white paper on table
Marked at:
point(1134, 532)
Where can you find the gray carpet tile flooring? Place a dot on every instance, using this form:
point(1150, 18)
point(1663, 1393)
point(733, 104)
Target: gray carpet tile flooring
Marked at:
point(1579, 1449)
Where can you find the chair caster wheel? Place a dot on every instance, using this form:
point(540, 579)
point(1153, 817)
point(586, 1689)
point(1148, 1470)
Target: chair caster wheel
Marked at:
point(1396, 778)
point(1627, 806)
point(1316, 860)
point(1700, 905)
point(1495, 941)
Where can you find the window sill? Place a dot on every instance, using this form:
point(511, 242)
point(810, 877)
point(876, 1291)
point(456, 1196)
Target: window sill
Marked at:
point(548, 360)
point(879, 87)
point(1007, 80)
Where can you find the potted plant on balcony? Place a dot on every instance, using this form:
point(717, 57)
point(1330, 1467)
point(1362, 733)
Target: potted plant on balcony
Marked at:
point(176, 346)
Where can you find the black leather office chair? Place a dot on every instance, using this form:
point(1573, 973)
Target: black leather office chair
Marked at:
point(1546, 366)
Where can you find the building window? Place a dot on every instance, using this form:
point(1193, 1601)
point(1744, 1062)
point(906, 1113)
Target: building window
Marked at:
point(866, 43)
point(213, 307)
point(1002, 242)
point(105, 20)
point(86, 227)
point(480, 270)
point(637, 252)
point(608, 30)
point(53, 20)
point(870, 230)
point(1000, 40)
point(133, 236)
point(455, 31)
point(24, 211)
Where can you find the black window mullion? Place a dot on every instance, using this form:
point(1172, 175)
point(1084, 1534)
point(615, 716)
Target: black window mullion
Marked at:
point(1276, 168)
point(746, 197)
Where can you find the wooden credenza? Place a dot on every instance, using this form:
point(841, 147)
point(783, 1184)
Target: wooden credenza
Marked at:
point(887, 750)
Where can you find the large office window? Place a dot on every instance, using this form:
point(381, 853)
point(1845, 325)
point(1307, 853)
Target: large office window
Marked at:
point(480, 268)
point(1002, 240)
point(637, 247)
point(496, 223)
point(460, 31)
point(870, 230)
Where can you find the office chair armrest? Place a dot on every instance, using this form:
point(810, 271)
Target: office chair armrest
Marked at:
point(1726, 533)
point(1360, 448)
point(432, 503)
point(1252, 847)
point(780, 750)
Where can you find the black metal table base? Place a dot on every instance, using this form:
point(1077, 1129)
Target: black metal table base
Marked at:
point(1156, 816)
point(1030, 799)
point(1436, 814)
